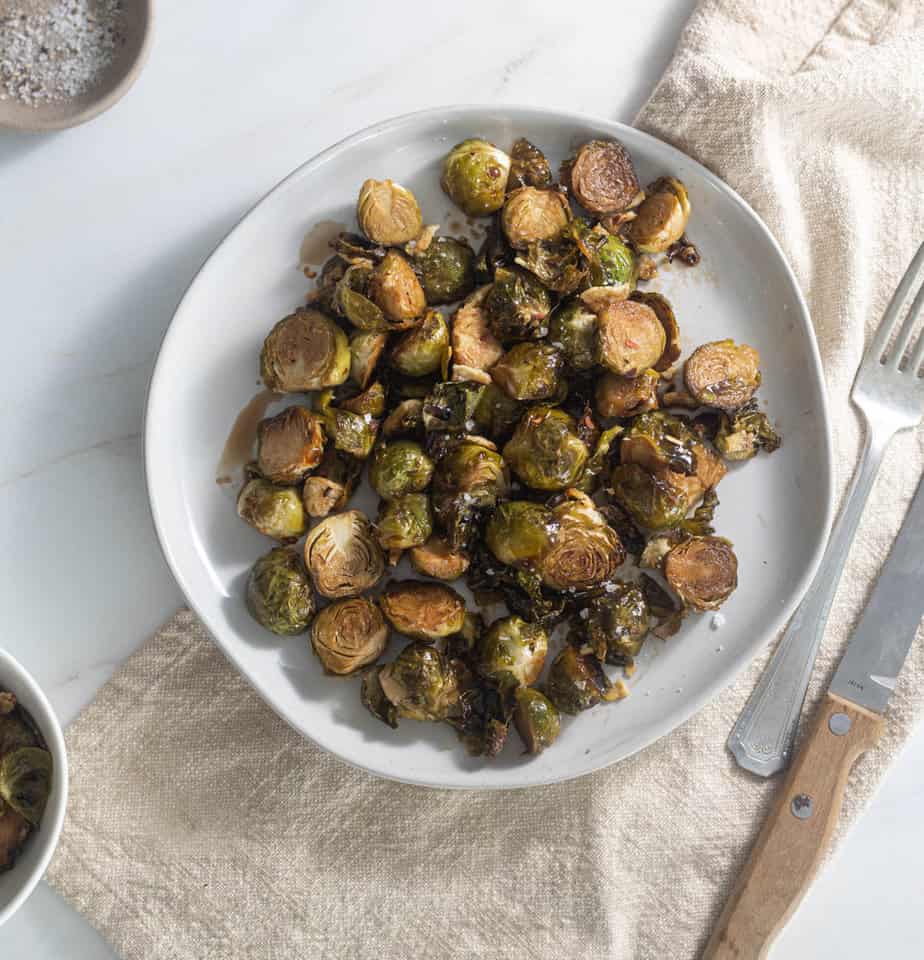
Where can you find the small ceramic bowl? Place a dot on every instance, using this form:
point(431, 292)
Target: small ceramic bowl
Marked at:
point(137, 28)
point(18, 883)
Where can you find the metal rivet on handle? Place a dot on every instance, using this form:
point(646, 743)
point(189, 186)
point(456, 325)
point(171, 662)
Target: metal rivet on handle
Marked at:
point(802, 806)
point(839, 724)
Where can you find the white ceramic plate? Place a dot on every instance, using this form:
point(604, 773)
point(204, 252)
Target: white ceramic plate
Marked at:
point(776, 509)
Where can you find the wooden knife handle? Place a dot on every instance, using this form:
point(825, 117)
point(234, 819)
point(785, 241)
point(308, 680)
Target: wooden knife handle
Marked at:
point(793, 840)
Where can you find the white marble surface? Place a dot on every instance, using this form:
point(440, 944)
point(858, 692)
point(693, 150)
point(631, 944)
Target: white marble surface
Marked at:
point(101, 229)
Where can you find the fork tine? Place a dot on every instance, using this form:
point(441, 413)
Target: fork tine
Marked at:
point(889, 318)
point(917, 358)
point(901, 343)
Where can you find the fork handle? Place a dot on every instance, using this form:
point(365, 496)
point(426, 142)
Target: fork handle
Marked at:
point(761, 740)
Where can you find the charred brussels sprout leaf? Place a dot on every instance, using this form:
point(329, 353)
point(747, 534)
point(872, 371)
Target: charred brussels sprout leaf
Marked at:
point(279, 594)
point(573, 329)
point(451, 406)
point(348, 635)
point(723, 374)
point(700, 524)
point(529, 371)
point(351, 300)
point(536, 718)
point(424, 611)
point(405, 420)
point(447, 270)
point(512, 646)
point(655, 501)
point(519, 532)
point(475, 177)
point(702, 571)
point(556, 263)
point(616, 623)
point(352, 433)
point(342, 555)
point(388, 213)
point(332, 483)
point(403, 522)
point(423, 350)
point(370, 402)
point(493, 253)
point(398, 468)
point(531, 215)
point(518, 306)
point(662, 216)
point(274, 510)
point(746, 431)
point(528, 166)
point(602, 178)
point(437, 559)
point(305, 351)
point(374, 699)
point(577, 682)
point(289, 445)
point(396, 291)
point(545, 451)
point(484, 712)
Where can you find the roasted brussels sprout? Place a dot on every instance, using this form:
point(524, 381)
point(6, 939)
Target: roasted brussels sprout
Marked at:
point(626, 396)
point(557, 264)
point(25, 785)
point(403, 522)
point(545, 451)
point(493, 253)
point(657, 439)
point(723, 374)
point(611, 262)
point(473, 343)
point(342, 555)
point(520, 532)
point(661, 217)
point(374, 699)
point(305, 351)
point(497, 412)
point(274, 510)
point(424, 349)
point(279, 594)
point(665, 313)
point(742, 433)
point(511, 645)
point(468, 480)
point(405, 420)
point(451, 406)
point(518, 306)
point(421, 683)
point(332, 483)
point(599, 298)
point(702, 571)
point(289, 445)
point(528, 166)
point(398, 468)
point(529, 371)
point(530, 214)
point(388, 213)
point(616, 623)
point(351, 299)
point(395, 289)
point(573, 329)
point(437, 559)
point(484, 712)
point(349, 634)
point(602, 178)
point(656, 501)
point(366, 347)
point(536, 719)
point(577, 682)
point(352, 433)
point(630, 337)
point(424, 611)
point(447, 270)
point(475, 177)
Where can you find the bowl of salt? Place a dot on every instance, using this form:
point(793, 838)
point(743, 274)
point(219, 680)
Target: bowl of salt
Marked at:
point(63, 62)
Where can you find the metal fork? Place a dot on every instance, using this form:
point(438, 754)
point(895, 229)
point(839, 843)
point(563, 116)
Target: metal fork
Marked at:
point(889, 393)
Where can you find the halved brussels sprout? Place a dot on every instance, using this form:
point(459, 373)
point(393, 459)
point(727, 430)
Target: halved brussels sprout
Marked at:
point(395, 289)
point(577, 682)
point(536, 719)
point(702, 571)
point(366, 347)
point(497, 413)
point(611, 261)
point(405, 420)
point(630, 337)
point(451, 406)
point(420, 683)
point(659, 439)
point(342, 555)
point(25, 782)
point(545, 451)
point(665, 313)
point(437, 559)
point(599, 299)
point(518, 306)
point(573, 329)
point(353, 433)
point(528, 166)
point(512, 645)
point(656, 501)
point(332, 484)
point(602, 178)
point(289, 445)
point(404, 522)
point(661, 217)
point(374, 699)
point(529, 371)
point(351, 299)
point(348, 635)
point(423, 350)
point(424, 611)
point(473, 343)
point(723, 374)
point(626, 396)
point(447, 270)
point(519, 532)
point(279, 595)
point(388, 213)
point(305, 351)
point(744, 432)
point(274, 510)
point(475, 176)
point(615, 624)
point(530, 214)
point(370, 402)
point(398, 468)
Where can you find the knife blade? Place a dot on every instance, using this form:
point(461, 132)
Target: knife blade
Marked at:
point(877, 650)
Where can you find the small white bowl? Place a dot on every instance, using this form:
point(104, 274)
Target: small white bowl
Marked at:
point(18, 883)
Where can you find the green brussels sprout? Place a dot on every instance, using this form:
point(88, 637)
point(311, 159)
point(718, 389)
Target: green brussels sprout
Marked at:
point(512, 645)
point(475, 177)
point(536, 718)
point(388, 213)
point(473, 343)
point(424, 611)
point(665, 314)
point(497, 412)
point(396, 291)
point(545, 451)
point(421, 683)
point(405, 420)
point(573, 330)
point(530, 214)
point(519, 532)
point(657, 439)
point(662, 216)
point(274, 510)
point(447, 270)
point(518, 306)
point(529, 371)
point(342, 555)
point(467, 480)
point(289, 445)
point(348, 635)
point(602, 178)
point(351, 299)
point(723, 374)
point(577, 682)
point(374, 699)
point(332, 483)
point(423, 350)
point(366, 347)
point(451, 406)
point(370, 402)
point(611, 262)
point(653, 500)
point(437, 559)
point(630, 337)
point(404, 522)
point(742, 433)
point(398, 468)
point(25, 785)
point(528, 166)
point(626, 396)
point(557, 264)
point(702, 571)
point(615, 624)
point(305, 351)
point(352, 433)
point(279, 594)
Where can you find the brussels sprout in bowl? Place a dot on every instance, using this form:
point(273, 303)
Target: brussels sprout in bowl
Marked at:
point(742, 292)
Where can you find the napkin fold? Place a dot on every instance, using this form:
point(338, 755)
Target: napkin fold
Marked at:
point(201, 826)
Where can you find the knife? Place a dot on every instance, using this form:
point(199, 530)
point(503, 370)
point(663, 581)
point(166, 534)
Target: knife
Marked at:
point(848, 722)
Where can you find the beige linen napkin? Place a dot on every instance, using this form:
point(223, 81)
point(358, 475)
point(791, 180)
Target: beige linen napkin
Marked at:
point(201, 826)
